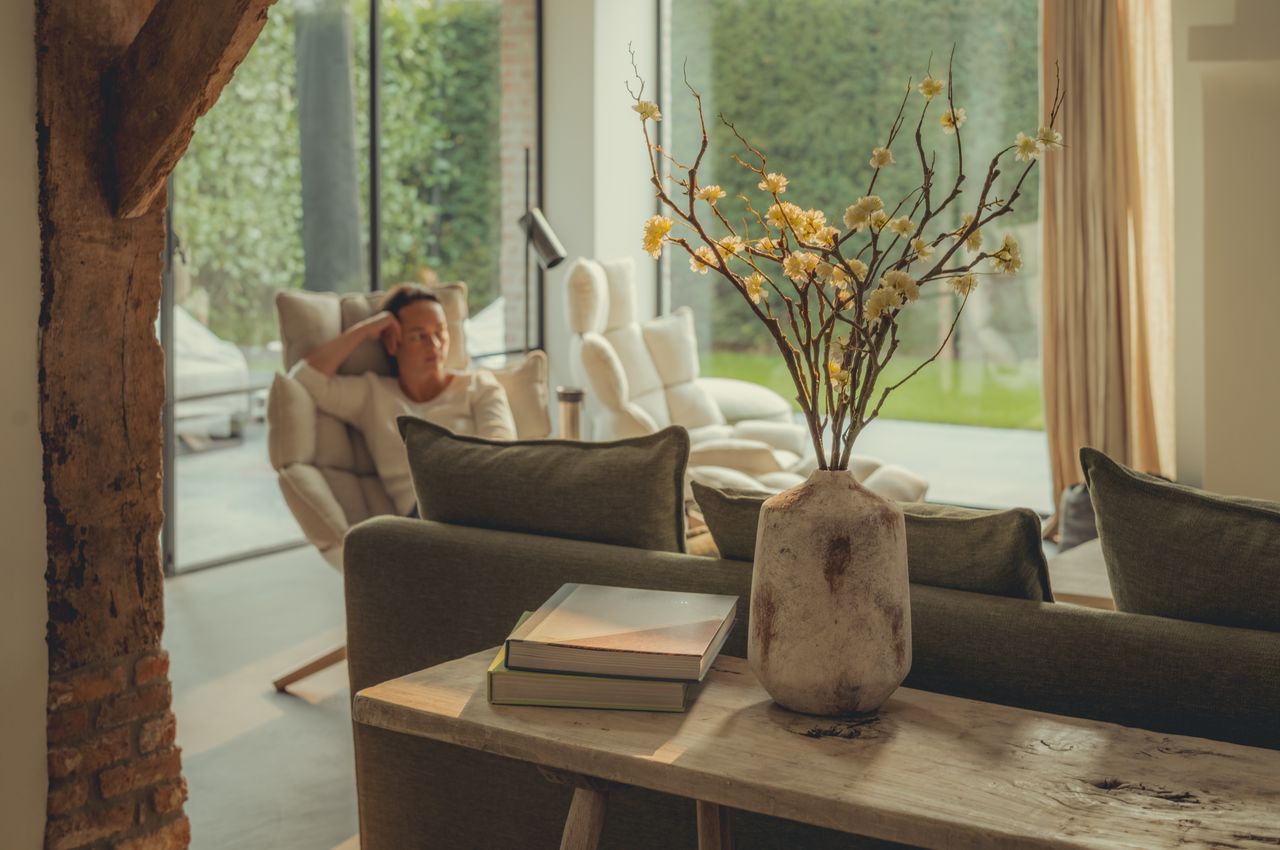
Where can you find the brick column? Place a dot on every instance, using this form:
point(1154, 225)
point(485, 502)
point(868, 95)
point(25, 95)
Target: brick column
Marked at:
point(114, 772)
point(518, 118)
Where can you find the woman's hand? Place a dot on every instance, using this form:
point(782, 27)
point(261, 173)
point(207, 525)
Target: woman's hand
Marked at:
point(385, 327)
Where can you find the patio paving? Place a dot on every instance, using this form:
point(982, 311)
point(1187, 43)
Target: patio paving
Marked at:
point(966, 465)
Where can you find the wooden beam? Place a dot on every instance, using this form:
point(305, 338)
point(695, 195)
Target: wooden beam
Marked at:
point(168, 77)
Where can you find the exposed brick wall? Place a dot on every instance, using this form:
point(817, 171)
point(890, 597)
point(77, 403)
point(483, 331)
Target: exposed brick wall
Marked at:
point(114, 772)
point(518, 34)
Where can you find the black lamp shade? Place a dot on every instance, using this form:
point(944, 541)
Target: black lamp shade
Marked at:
point(542, 238)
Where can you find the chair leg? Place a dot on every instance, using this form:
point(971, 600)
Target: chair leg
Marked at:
point(315, 665)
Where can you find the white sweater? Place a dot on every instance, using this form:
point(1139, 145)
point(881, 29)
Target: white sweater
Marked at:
point(473, 403)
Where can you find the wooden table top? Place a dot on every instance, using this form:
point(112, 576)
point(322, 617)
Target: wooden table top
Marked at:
point(930, 770)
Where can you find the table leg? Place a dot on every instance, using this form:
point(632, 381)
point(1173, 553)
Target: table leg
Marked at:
point(586, 819)
point(715, 832)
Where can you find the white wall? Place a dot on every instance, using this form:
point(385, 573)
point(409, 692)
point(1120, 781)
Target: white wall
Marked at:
point(1226, 91)
point(597, 193)
point(23, 659)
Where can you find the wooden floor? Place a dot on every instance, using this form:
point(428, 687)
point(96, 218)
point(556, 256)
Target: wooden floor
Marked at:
point(264, 769)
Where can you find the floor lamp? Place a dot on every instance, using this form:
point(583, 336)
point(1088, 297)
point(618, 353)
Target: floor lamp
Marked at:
point(539, 235)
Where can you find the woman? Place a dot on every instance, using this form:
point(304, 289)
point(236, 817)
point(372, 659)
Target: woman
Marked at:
point(413, 329)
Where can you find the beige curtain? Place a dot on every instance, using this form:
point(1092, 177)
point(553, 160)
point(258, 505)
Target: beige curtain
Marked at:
point(1108, 265)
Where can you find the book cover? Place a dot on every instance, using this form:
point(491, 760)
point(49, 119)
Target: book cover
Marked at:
point(618, 631)
point(568, 690)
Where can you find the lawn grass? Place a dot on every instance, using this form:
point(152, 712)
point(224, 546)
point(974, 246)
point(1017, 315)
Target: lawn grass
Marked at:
point(956, 392)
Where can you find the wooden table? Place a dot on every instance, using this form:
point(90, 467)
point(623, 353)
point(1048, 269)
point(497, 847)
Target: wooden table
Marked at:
point(929, 770)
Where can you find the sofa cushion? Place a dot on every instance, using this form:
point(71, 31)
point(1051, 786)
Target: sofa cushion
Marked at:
point(643, 381)
point(673, 347)
point(314, 504)
point(526, 387)
point(1175, 551)
point(992, 552)
point(627, 493)
point(291, 423)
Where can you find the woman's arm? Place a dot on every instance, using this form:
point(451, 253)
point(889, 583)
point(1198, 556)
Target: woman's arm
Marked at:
point(326, 358)
point(345, 397)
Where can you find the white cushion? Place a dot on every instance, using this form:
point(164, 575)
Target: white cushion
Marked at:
point(740, 400)
point(623, 423)
point(643, 381)
point(654, 404)
point(588, 296)
point(747, 456)
point(779, 481)
point(526, 386)
point(291, 423)
point(862, 466)
point(606, 378)
point(309, 497)
point(673, 347)
point(709, 432)
point(724, 478)
point(897, 484)
point(307, 319)
point(781, 435)
point(620, 309)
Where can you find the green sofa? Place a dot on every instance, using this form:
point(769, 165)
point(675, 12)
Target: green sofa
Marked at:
point(419, 593)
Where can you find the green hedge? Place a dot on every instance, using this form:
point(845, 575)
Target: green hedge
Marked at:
point(237, 191)
point(815, 85)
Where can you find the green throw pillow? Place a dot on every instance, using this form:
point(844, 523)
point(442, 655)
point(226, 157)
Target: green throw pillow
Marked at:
point(628, 492)
point(992, 552)
point(1175, 551)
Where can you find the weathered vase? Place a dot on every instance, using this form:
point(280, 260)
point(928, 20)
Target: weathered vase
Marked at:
point(830, 629)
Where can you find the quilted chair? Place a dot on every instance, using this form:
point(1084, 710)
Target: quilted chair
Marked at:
point(644, 376)
point(323, 465)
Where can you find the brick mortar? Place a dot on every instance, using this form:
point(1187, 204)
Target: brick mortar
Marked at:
point(115, 733)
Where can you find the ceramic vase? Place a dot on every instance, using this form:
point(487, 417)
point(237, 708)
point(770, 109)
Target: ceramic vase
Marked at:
point(830, 626)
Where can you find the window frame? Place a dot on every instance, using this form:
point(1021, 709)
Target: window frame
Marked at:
point(535, 284)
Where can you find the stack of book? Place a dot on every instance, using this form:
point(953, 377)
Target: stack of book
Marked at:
point(590, 646)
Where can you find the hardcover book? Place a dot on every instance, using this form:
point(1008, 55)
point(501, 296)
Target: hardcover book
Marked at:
point(571, 690)
point(620, 631)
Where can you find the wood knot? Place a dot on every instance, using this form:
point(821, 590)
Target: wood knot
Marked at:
point(847, 728)
point(1154, 791)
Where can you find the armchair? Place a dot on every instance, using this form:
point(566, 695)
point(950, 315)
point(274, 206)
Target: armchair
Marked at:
point(644, 376)
point(324, 468)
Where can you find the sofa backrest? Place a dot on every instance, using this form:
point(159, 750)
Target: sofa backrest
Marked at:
point(420, 593)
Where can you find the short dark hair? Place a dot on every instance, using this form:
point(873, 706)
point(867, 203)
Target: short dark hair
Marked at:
point(404, 294)
point(400, 296)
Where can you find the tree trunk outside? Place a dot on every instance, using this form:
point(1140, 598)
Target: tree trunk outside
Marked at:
point(331, 232)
